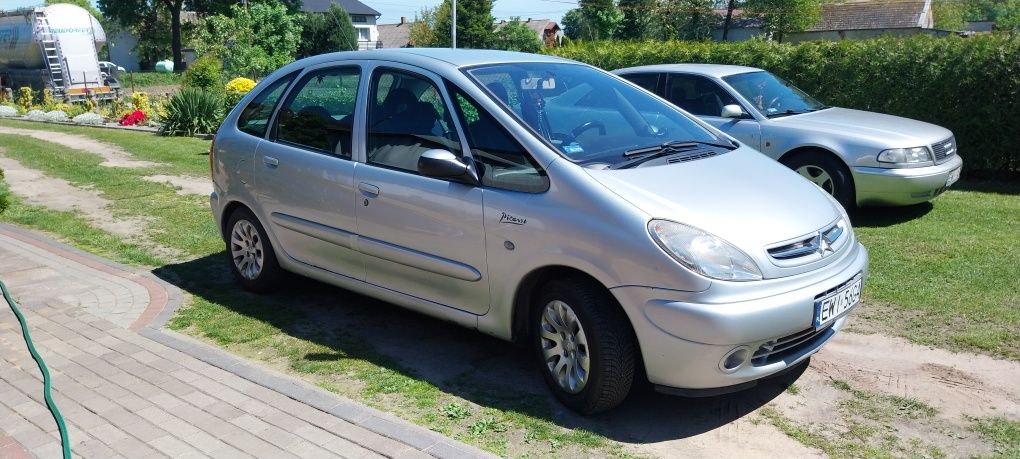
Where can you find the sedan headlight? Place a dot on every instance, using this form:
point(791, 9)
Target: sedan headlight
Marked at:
point(905, 155)
point(702, 252)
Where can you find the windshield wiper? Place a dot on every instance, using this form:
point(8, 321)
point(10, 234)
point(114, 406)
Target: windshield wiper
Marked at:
point(674, 146)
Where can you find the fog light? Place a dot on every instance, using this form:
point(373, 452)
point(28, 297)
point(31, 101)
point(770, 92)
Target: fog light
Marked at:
point(734, 359)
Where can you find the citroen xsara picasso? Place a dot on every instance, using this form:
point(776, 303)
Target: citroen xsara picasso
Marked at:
point(542, 201)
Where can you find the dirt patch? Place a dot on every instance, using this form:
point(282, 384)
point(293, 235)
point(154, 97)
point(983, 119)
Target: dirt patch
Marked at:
point(36, 188)
point(185, 185)
point(112, 156)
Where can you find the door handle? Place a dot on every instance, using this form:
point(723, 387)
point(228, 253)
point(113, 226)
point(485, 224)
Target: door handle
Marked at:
point(270, 161)
point(368, 189)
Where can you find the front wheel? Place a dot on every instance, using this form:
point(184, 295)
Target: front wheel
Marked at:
point(585, 344)
point(829, 173)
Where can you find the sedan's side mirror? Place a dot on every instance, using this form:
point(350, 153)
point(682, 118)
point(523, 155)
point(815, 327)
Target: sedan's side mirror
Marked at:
point(438, 163)
point(732, 111)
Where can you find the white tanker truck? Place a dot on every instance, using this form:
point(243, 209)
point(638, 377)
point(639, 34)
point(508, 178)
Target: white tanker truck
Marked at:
point(54, 47)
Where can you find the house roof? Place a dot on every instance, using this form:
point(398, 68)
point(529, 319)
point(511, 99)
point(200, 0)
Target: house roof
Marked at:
point(875, 14)
point(350, 6)
point(395, 35)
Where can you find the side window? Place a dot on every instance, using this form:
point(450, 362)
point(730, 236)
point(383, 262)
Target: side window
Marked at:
point(649, 81)
point(319, 113)
point(407, 116)
point(255, 117)
point(697, 94)
point(503, 163)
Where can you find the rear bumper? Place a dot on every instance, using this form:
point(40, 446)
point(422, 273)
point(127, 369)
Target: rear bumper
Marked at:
point(901, 187)
point(685, 336)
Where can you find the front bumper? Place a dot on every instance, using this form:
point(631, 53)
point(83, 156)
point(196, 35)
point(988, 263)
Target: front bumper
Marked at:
point(684, 336)
point(902, 187)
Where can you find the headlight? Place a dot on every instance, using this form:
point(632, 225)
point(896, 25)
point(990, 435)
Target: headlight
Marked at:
point(905, 155)
point(702, 252)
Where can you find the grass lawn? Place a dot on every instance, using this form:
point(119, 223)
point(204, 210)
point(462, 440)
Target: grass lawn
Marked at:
point(143, 80)
point(946, 274)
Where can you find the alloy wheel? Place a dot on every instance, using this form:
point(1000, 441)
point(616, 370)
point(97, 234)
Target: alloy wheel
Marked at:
point(564, 346)
point(246, 249)
point(818, 176)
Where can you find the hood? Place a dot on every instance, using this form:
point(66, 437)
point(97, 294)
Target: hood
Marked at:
point(885, 130)
point(742, 196)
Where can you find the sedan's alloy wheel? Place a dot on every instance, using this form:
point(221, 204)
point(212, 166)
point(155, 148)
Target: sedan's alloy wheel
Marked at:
point(246, 249)
point(564, 346)
point(819, 176)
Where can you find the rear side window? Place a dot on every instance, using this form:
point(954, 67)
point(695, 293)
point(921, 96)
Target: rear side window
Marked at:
point(697, 95)
point(502, 162)
point(255, 117)
point(649, 81)
point(319, 112)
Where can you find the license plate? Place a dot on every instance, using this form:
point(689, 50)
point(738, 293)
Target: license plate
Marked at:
point(953, 177)
point(832, 306)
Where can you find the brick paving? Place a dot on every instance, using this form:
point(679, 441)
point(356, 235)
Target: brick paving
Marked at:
point(129, 389)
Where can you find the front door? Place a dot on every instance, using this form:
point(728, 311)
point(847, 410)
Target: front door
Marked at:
point(421, 236)
point(705, 99)
point(305, 174)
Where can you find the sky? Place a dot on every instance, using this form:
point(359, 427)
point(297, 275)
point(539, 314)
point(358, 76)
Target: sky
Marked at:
point(392, 10)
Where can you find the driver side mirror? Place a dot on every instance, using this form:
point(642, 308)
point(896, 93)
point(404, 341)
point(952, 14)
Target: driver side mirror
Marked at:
point(732, 111)
point(438, 163)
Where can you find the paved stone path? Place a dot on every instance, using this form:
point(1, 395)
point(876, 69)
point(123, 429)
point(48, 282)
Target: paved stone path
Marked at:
point(129, 389)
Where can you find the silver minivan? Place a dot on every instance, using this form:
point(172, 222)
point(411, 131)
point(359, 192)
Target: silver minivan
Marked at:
point(542, 201)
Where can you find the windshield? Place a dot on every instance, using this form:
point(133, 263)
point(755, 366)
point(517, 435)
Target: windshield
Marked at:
point(772, 95)
point(589, 116)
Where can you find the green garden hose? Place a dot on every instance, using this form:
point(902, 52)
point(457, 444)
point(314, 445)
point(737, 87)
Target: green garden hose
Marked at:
point(64, 440)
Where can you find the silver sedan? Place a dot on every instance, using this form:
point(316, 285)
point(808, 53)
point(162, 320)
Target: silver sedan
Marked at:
point(861, 158)
point(542, 201)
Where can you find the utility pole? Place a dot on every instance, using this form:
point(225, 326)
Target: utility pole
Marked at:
point(453, 25)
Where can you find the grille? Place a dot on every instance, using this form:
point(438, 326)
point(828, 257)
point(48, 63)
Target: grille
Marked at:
point(944, 149)
point(692, 155)
point(808, 245)
point(781, 348)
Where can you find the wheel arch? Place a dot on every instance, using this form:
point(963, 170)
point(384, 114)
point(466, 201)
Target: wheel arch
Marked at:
point(229, 210)
point(813, 149)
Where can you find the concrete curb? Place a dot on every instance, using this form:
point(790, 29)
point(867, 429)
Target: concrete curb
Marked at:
point(374, 420)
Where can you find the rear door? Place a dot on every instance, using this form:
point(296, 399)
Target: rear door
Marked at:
point(704, 98)
point(421, 236)
point(304, 172)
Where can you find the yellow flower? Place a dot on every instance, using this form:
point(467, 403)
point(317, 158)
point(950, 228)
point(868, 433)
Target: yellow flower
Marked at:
point(240, 85)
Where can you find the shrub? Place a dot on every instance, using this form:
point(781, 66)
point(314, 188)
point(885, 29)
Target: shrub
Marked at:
point(55, 116)
point(133, 119)
point(6, 111)
point(968, 85)
point(72, 110)
point(36, 115)
point(235, 91)
point(46, 100)
point(205, 73)
point(192, 111)
point(88, 118)
point(140, 101)
point(25, 96)
point(5, 200)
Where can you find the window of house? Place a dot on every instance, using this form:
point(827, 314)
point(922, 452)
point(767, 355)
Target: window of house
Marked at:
point(359, 18)
point(319, 112)
point(407, 116)
point(364, 33)
point(255, 117)
point(502, 162)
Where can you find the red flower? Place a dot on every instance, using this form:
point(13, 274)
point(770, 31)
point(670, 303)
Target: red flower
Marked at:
point(134, 118)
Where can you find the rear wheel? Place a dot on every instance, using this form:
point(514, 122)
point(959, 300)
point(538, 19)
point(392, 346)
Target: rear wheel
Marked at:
point(826, 171)
point(585, 345)
point(252, 258)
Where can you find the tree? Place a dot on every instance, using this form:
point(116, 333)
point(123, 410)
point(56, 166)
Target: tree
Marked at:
point(136, 12)
point(1007, 16)
point(781, 17)
point(592, 20)
point(474, 24)
point(949, 15)
point(515, 35)
point(637, 19)
point(422, 32)
point(685, 19)
point(730, 6)
point(253, 41)
point(223, 6)
point(327, 32)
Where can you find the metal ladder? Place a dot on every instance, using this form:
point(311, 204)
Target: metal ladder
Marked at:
point(51, 53)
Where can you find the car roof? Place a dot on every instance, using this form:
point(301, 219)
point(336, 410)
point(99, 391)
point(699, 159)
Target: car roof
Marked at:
point(443, 56)
point(715, 70)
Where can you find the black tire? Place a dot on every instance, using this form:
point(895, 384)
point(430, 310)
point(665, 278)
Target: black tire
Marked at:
point(269, 276)
point(815, 163)
point(611, 344)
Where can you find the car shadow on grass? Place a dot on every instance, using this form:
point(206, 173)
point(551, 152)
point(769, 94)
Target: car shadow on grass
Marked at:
point(464, 363)
point(881, 217)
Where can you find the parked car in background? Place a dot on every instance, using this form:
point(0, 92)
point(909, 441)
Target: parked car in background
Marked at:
point(542, 201)
point(861, 158)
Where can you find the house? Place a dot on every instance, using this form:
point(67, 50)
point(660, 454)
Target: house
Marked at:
point(849, 20)
point(396, 35)
point(547, 30)
point(363, 17)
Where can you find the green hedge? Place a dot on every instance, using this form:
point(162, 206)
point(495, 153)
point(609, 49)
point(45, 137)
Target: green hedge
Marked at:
point(969, 85)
